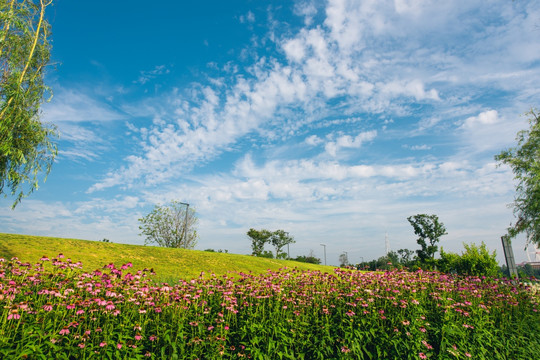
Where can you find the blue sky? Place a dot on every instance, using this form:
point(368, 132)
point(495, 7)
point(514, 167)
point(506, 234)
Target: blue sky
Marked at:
point(333, 120)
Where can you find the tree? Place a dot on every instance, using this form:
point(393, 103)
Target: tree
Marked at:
point(343, 260)
point(279, 239)
point(429, 230)
point(524, 159)
point(170, 226)
point(311, 258)
point(406, 257)
point(258, 239)
point(26, 147)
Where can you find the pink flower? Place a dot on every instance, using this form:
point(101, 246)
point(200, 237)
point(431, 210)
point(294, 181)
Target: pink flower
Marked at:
point(64, 331)
point(102, 344)
point(152, 337)
point(81, 345)
point(14, 315)
point(422, 355)
point(345, 349)
point(467, 354)
point(47, 307)
point(138, 337)
point(119, 346)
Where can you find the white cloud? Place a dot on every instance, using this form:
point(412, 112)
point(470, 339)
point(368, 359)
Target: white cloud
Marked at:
point(348, 142)
point(248, 18)
point(378, 57)
point(70, 105)
point(147, 76)
point(417, 147)
point(489, 117)
point(313, 140)
point(414, 88)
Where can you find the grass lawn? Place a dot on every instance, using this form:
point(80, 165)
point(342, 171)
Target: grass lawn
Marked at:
point(169, 264)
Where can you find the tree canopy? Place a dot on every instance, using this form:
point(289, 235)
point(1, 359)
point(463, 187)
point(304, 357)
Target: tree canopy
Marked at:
point(258, 239)
point(278, 239)
point(26, 147)
point(170, 225)
point(524, 159)
point(429, 229)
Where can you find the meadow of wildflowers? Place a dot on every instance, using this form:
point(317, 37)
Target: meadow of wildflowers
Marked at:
point(54, 310)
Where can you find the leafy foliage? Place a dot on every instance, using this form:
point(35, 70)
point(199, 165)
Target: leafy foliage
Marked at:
point(429, 230)
point(406, 257)
point(258, 239)
point(524, 159)
point(26, 146)
point(308, 259)
point(475, 260)
point(170, 226)
point(278, 238)
point(343, 260)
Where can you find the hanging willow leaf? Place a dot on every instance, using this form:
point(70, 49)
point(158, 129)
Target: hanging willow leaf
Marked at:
point(26, 147)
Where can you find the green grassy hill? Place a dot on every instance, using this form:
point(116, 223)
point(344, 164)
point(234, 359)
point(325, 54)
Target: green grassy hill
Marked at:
point(169, 264)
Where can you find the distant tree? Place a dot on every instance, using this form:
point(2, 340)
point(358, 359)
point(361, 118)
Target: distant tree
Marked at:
point(429, 230)
point(524, 159)
point(311, 258)
point(279, 239)
point(343, 260)
point(26, 147)
point(406, 257)
point(393, 258)
point(258, 239)
point(170, 226)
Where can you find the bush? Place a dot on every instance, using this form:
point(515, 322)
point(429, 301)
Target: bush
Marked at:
point(475, 260)
point(308, 259)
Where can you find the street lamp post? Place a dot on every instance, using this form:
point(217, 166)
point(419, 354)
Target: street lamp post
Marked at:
point(185, 223)
point(324, 245)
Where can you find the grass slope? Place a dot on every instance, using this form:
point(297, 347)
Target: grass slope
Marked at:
point(169, 264)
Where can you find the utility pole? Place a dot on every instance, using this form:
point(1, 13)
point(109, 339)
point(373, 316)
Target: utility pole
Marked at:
point(185, 224)
point(346, 257)
point(288, 253)
point(324, 245)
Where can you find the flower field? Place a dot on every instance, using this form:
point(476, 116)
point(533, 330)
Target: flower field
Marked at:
point(54, 310)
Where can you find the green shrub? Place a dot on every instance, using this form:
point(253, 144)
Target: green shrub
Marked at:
point(475, 260)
